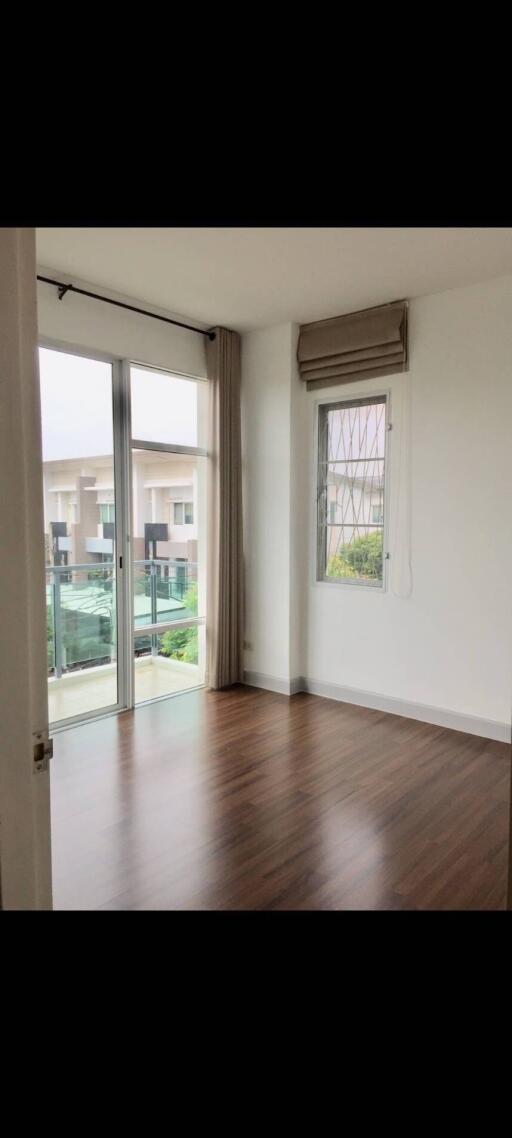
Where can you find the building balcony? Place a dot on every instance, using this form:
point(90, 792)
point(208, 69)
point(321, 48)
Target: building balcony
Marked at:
point(94, 688)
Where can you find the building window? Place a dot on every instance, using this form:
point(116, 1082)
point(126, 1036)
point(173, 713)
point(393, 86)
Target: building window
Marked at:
point(183, 513)
point(107, 512)
point(351, 483)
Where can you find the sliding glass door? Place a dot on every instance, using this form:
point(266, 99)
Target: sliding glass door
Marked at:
point(168, 532)
point(124, 473)
point(81, 495)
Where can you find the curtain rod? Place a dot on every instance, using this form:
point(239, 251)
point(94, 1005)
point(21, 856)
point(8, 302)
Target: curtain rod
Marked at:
point(64, 288)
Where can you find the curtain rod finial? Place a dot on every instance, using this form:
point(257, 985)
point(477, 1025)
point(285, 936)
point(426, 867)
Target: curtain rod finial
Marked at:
point(211, 336)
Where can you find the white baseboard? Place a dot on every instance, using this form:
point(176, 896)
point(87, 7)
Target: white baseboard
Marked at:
point(274, 683)
point(440, 716)
point(423, 712)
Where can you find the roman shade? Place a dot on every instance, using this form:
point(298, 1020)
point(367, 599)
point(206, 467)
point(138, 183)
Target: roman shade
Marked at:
point(358, 346)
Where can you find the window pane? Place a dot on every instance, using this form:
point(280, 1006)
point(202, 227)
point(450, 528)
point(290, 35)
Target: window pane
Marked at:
point(354, 552)
point(168, 570)
point(168, 564)
point(167, 663)
point(78, 476)
point(354, 432)
point(166, 408)
point(351, 490)
point(354, 491)
point(189, 513)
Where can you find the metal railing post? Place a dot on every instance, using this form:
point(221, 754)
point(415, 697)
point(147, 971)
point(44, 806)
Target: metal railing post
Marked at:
point(57, 625)
point(154, 610)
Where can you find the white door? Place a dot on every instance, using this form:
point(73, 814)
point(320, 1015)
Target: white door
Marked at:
point(25, 851)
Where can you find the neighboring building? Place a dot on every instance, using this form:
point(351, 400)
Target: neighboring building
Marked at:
point(355, 503)
point(79, 509)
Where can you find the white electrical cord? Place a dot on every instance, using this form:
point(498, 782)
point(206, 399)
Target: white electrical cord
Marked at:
point(401, 565)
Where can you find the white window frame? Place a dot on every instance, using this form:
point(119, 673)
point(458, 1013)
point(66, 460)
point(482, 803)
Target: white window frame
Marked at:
point(182, 502)
point(342, 396)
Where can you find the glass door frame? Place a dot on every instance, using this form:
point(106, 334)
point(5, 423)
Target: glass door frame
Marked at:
point(123, 605)
point(122, 461)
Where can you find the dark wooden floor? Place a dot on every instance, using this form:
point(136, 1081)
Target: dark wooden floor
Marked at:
point(250, 800)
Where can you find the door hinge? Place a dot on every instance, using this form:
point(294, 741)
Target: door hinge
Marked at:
point(43, 751)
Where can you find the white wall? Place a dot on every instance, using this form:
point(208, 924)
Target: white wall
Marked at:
point(266, 395)
point(81, 322)
point(448, 645)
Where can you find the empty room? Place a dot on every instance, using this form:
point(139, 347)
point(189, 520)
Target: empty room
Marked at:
point(256, 539)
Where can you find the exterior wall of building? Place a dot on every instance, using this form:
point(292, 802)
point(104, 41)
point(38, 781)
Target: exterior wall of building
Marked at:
point(75, 490)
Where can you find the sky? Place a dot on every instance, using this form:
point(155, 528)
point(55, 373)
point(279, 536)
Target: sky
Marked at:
point(76, 406)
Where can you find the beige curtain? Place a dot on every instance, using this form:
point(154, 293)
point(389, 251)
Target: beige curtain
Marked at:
point(225, 567)
point(361, 345)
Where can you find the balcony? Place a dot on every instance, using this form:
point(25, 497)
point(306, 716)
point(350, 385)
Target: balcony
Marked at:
point(82, 634)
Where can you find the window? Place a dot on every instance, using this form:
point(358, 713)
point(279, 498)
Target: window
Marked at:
point(350, 512)
point(169, 507)
point(167, 408)
point(183, 513)
point(107, 512)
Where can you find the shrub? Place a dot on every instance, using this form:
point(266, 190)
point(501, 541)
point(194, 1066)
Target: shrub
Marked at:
point(339, 567)
point(190, 598)
point(181, 643)
point(362, 558)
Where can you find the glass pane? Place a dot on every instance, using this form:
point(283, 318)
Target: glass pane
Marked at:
point(167, 408)
point(168, 570)
point(354, 552)
point(78, 481)
point(355, 432)
point(351, 490)
point(355, 492)
point(169, 662)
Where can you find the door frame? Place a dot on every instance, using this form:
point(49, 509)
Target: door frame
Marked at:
point(123, 488)
point(25, 831)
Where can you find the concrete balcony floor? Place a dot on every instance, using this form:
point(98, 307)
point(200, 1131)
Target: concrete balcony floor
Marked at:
point(93, 689)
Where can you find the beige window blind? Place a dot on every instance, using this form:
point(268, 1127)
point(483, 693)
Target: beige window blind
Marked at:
point(358, 346)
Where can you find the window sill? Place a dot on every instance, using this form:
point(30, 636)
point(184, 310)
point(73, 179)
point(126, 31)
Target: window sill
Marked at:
point(344, 583)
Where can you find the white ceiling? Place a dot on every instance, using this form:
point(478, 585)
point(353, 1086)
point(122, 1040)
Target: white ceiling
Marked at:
point(254, 278)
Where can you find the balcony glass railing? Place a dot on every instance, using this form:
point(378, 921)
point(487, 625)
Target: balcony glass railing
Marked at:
point(81, 608)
